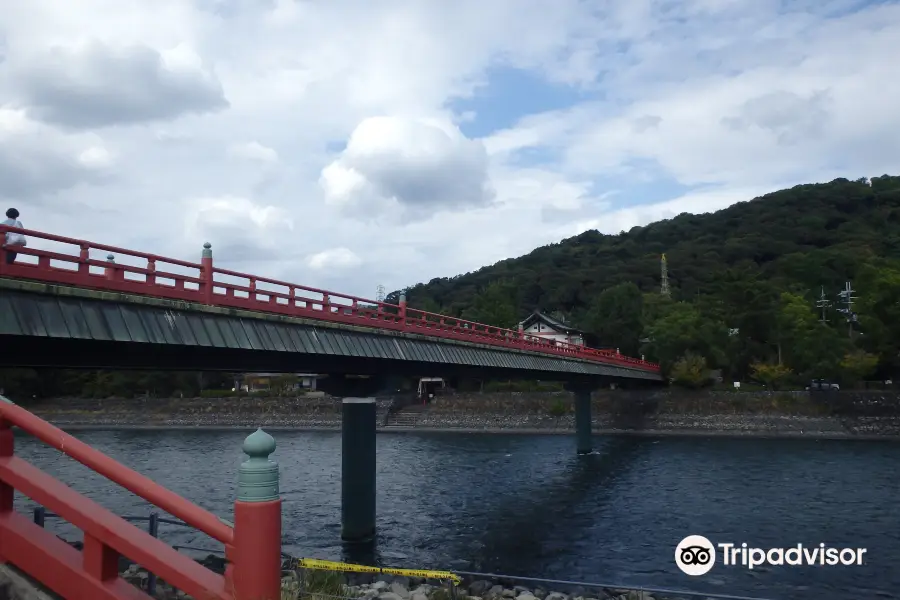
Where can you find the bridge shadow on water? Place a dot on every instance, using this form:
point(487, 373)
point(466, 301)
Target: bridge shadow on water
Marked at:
point(527, 533)
point(535, 523)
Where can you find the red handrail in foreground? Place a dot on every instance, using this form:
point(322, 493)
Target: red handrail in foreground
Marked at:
point(93, 573)
point(207, 284)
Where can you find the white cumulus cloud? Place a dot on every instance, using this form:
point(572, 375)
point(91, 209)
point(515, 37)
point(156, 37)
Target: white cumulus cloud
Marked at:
point(335, 258)
point(36, 160)
point(96, 157)
point(93, 84)
point(245, 229)
point(253, 151)
point(411, 167)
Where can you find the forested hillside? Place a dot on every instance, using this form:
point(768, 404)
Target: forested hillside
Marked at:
point(744, 282)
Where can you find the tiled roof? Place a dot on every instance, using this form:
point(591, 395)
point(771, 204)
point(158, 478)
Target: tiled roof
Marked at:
point(550, 321)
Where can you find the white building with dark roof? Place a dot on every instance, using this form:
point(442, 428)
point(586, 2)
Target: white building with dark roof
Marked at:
point(543, 326)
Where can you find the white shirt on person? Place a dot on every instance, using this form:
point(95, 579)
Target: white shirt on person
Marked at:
point(14, 238)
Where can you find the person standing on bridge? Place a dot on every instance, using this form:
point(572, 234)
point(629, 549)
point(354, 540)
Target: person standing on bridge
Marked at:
point(13, 238)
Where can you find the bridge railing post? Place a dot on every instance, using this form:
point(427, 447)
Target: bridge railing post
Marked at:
point(402, 308)
point(206, 274)
point(7, 449)
point(257, 523)
point(111, 271)
point(84, 254)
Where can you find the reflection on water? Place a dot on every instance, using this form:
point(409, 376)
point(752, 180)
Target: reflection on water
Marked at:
point(527, 505)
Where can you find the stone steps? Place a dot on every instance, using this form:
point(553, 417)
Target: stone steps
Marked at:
point(408, 417)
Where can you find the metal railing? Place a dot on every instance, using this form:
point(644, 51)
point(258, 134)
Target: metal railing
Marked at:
point(563, 583)
point(153, 521)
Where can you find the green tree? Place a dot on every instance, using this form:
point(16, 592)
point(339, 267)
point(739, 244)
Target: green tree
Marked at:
point(282, 384)
point(857, 365)
point(745, 302)
point(615, 317)
point(654, 306)
point(685, 330)
point(690, 371)
point(558, 410)
point(805, 344)
point(879, 311)
point(428, 304)
point(771, 375)
point(495, 305)
point(794, 321)
point(819, 352)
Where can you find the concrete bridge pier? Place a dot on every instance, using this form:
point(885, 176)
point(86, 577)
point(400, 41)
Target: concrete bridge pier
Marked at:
point(358, 469)
point(583, 421)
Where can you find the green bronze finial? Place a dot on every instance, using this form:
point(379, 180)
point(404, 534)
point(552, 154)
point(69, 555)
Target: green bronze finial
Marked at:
point(110, 258)
point(258, 476)
point(207, 250)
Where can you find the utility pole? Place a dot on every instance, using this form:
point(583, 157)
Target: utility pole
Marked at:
point(664, 277)
point(823, 304)
point(846, 297)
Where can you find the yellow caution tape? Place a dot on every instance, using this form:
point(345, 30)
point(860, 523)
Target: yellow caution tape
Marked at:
point(327, 565)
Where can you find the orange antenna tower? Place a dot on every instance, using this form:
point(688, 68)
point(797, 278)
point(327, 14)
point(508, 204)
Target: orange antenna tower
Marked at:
point(664, 277)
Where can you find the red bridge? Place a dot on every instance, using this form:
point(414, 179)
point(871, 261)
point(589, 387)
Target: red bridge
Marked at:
point(83, 265)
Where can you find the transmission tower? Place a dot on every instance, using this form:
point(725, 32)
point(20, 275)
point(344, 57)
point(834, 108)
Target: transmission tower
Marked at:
point(664, 277)
point(846, 297)
point(823, 304)
point(379, 293)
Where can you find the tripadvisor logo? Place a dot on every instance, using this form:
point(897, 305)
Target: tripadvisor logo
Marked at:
point(695, 555)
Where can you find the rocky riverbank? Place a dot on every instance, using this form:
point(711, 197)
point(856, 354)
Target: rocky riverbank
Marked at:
point(299, 584)
point(402, 588)
point(842, 414)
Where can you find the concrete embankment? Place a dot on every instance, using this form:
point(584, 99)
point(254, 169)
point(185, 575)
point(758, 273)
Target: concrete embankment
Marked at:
point(663, 412)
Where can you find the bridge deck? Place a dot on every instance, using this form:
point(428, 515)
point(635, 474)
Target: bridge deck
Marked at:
point(109, 329)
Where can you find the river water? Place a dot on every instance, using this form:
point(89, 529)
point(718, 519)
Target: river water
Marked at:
point(527, 505)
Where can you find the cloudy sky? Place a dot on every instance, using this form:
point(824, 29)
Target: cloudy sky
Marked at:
point(345, 144)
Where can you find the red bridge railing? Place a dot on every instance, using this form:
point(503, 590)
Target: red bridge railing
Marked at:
point(98, 266)
point(253, 572)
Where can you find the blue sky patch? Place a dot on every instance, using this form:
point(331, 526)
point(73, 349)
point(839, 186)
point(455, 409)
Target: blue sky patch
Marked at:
point(649, 184)
point(509, 95)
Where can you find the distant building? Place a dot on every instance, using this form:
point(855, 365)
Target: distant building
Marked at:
point(545, 327)
point(292, 382)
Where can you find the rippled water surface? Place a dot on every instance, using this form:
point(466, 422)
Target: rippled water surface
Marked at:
point(527, 505)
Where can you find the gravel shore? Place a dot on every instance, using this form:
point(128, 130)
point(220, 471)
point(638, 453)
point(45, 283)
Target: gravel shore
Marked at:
point(300, 583)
